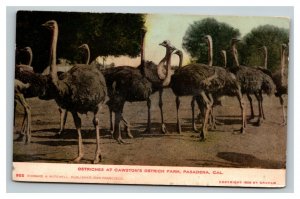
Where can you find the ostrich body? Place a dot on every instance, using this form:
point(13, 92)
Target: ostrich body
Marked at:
point(80, 90)
point(252, 80)
point(135, 84)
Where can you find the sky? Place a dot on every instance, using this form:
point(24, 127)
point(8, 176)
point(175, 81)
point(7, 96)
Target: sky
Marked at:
point(173, 27)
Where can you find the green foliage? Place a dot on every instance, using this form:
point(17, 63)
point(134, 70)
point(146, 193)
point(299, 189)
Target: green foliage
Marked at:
point(221, 34)
point(105, 33)
point(267, 35)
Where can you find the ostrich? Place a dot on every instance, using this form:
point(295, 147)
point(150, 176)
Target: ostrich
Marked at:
point(80, 90)
point(280, 80)
point(27, 84)
point(253, 81)
point(223, 83)
point(63, 112)
point(136, 84)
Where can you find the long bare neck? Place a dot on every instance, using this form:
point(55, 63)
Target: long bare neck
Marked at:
point(235, 54)
point(282, 63)
point(224, 55)
point(88, 54)
point(266, 57)
point(53, 67)
point(167, 80)
point(30, 57)
point(143, 49)
point(210, 51)
point(180, 59)
point(160, 66)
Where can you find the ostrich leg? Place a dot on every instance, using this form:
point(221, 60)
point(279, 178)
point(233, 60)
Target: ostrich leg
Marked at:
point(251, 107)
point(193, 114)
point(260, 109)
point(117, 130)
point(148, 129)
point(127, 127)
point(178, 119)
point(27, 118)
point(243, 112)
point(77, 122)
point(111, 120)
point(283, 110)
point(208, 104)
point(163, 126)
point(97, 158)
point(63, 119)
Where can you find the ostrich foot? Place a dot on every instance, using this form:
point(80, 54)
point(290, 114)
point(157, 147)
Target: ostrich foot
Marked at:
point(202, 136)
point(283, 123)
point(219, 123)
point(20, 138)
point(27, 139)
point(59, 132)
point(240, 131)
point(77, 160)
point(195, 128)
point(121, 141)
point(127, 130)
point(259, 122)
point(97, 159)
point(178, 128)
point(251, 118)
point(163, 129)
point(147, 131)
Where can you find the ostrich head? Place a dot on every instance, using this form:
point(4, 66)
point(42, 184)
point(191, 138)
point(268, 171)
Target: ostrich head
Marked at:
point(84, 46)
point(166, 44)
point(178, 52)
point(207, 38)
point(51, 24)
point(283, 46)
point(235, 40)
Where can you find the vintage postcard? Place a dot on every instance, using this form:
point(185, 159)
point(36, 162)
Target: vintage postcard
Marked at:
point(156, 99)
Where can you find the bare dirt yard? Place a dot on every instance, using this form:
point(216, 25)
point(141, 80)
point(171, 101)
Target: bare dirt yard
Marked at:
point(259, 147)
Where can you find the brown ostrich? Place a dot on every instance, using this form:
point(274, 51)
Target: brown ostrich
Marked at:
point(252, 80)
point(223, 83)
point(80, 90)
point(135, 84)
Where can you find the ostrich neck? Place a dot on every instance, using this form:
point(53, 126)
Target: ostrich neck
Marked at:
point(88, 55)
point(30, 57)
point(282, 63)
point(160, 66)
point(266, 58)
point(235, 54)
point(53, 67)
point(143, 49)
point(225, 59)
point(210, 52)
point(180, 60)
point(167, 80)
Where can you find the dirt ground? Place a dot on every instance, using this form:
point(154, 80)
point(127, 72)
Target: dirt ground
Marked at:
point(259, 147)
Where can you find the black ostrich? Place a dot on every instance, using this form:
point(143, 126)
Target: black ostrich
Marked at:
point(80, 90)
point(252, 80)
point(28, 84)
point(222, 83)
point(63, 112)
point(130, 84)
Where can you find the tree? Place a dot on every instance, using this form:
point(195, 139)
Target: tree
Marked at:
point(221, 34)
point(267, 35)
point(106, 34)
